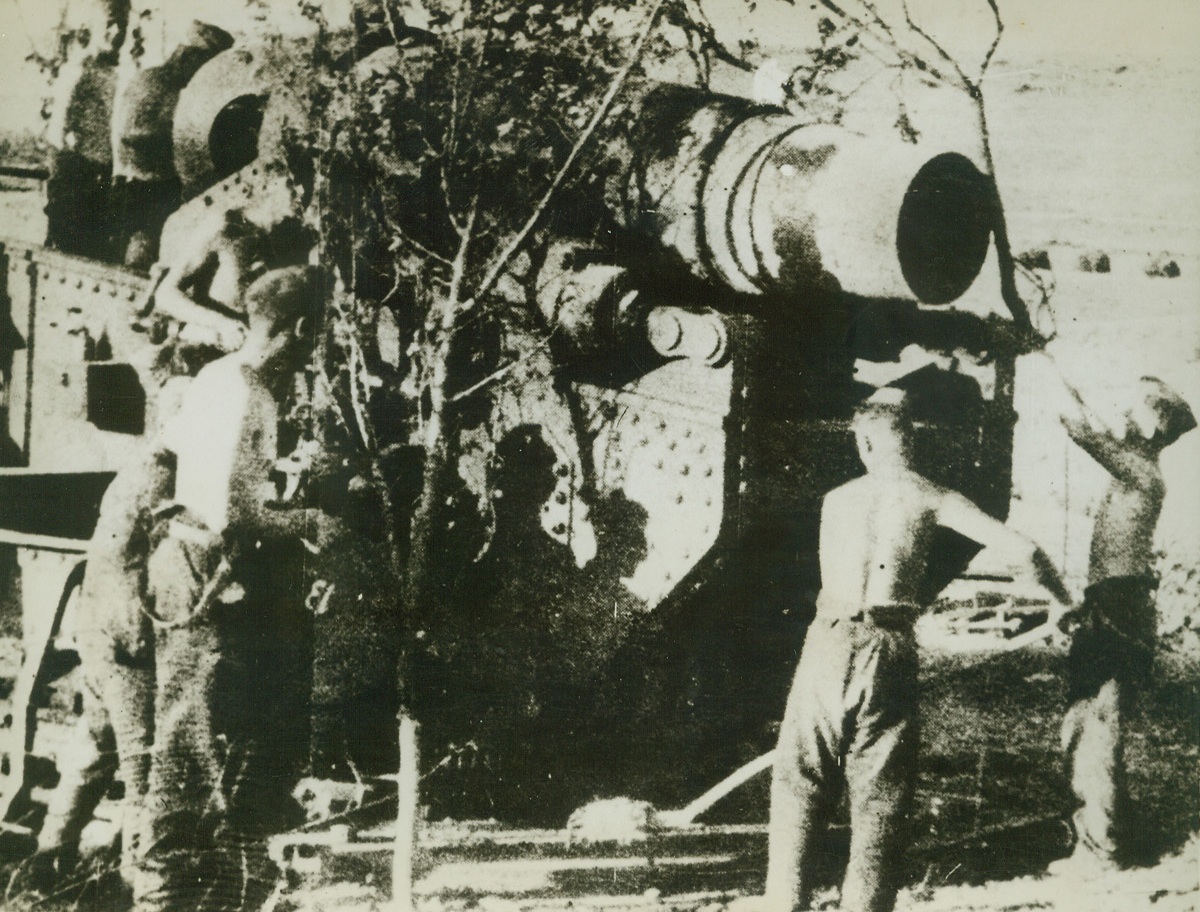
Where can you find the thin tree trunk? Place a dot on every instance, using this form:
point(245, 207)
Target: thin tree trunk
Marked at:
point(419, 591)
point(1008, 272)
point(419, 595)
point(407, 815)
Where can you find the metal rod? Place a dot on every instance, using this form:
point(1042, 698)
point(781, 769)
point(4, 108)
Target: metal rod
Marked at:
point(25, 171)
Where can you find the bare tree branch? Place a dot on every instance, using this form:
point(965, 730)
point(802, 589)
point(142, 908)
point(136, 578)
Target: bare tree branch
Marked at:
point(459, 107)
point(331, 400)
point(880, 21)
point(490, 378)
point(850, 93)
point(394, 21)
point(699, 24)
point(987, 60)
point(459, 269)
point(499, 374)
point(404, 237)
point(360, 393)
point(941, 50)
point(884, 34)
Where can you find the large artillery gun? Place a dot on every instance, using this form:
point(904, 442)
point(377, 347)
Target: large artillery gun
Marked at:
point(763, 274)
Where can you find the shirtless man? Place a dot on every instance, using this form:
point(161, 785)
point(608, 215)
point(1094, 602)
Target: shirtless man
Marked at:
point(1111, 655)
point(852, 710)
point(203, 284)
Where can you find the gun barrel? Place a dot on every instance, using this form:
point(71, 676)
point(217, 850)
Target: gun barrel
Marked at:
point(760, 200)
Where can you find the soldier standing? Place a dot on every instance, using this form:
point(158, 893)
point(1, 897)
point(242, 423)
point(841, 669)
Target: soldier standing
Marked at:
point(116, 654)
point(230, 623)
point(1112, 653)
point(852, 710)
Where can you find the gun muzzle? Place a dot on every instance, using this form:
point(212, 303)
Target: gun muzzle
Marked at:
point(760, 201)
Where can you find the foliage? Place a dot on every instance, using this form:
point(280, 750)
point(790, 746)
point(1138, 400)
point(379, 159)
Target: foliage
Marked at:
point(439, 156)
point(809, 85)
point(445, 150)
point(470, 121)
point(67, 40)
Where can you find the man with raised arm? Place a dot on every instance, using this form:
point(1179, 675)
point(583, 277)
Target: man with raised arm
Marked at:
point(852, 710)
point(201, 284)
point(1112, 653)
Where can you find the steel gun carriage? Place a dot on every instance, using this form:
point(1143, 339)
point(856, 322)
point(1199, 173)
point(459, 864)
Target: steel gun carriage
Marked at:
point(764, 274)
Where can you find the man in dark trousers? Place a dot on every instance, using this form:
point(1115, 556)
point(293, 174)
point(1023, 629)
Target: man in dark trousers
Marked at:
point(230, 624)
point(852, 711)
point(1112, 653)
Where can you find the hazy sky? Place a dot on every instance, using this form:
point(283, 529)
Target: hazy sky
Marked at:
point(1067, 31)
point(1070, 31)
point(1148, 29)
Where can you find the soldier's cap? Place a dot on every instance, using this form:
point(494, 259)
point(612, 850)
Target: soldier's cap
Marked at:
point(1175, 417)
point(285, 295)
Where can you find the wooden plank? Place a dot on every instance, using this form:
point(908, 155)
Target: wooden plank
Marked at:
point(516, 877)
point(44, 542)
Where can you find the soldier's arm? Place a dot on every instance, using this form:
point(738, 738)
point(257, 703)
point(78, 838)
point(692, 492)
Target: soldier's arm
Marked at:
point(182, 291)
point(132, 494)
point(1118, 458)
point(311, 526)
point(954, 511)
point(278, 520)
point(255, 506)
point(183, 295)
point(189, 276)
point(1093, 435)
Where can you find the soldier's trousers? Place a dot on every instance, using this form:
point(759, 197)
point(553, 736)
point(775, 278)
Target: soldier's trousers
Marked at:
point(851, 720)
point(221, 775)
point(119, 722)
point(117, 727)
point(1110, 661)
